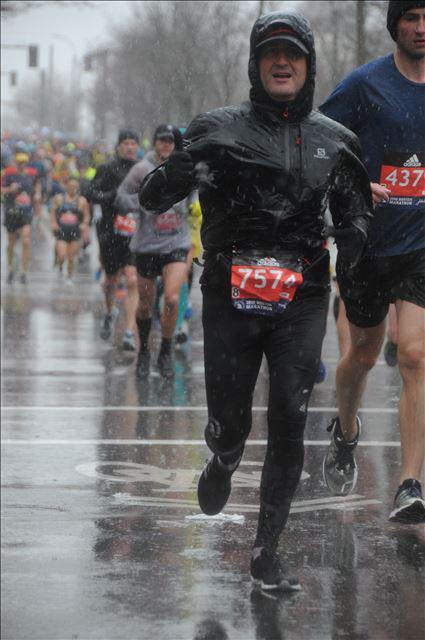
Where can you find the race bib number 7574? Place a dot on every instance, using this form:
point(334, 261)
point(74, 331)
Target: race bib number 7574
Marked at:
point(264, 285)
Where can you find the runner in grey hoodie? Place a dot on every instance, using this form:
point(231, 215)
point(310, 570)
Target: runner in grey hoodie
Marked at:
point(160, 247)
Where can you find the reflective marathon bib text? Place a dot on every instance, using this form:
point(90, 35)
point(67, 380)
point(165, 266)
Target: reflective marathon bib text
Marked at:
point(262, 284)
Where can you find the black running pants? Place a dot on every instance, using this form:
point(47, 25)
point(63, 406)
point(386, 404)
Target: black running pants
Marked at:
point(234, 344)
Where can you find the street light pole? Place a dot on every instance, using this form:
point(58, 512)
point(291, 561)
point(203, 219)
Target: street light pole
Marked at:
point(50, 88)
point(74, 79)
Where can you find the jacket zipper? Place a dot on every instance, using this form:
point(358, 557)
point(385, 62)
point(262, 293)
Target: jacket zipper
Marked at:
point(287, 150)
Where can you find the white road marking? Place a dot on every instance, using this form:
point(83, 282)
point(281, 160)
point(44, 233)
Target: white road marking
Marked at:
point(170, 479)
point(174, 443)
point(320, 504)
point(177, 409)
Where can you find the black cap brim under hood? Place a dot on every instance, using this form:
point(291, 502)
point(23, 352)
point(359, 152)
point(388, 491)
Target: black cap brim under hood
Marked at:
point(299, 108)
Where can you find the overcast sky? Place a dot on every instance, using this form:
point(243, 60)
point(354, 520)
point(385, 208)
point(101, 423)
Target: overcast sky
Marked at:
point(68, 29)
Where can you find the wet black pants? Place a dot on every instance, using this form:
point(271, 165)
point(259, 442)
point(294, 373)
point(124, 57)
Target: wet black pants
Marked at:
point(234, 344)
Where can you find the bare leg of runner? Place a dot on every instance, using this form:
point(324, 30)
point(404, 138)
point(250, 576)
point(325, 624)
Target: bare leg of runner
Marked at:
point(26, 247)
point(411, 359)
point(174, 275)
point(351, 375)
point(131, 301)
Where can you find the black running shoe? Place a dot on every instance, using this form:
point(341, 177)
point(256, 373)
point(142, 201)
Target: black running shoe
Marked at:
point(214, 487)
point(143, 364)
point(165, 365)
point(23, 278)
point(181, 337)
point(339, 466)
point(268, 573)
point(106, 328)
point(409, 505)
point(390, 353)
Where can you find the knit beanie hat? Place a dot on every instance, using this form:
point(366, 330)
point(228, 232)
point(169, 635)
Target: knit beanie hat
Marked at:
point(396, 8)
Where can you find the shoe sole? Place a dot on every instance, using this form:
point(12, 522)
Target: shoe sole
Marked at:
point(283, 586)
point(213, 511)
point(126, 346)
point(412, 514)
point(340, 493)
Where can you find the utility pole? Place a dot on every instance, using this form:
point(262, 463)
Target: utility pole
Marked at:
point(360, 31)
point(104, 59)
point(335, 41)
point(43, 99)
point(72, 119)
point(101, 100)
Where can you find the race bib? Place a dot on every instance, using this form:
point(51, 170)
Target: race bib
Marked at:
point(125, 225)
point(264, 285)
point(168, 223)
point(68, 219)
point(404, 175)
point(23, 200)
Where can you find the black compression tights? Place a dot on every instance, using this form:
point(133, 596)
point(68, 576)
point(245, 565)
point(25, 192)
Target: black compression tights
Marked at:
point(234, 345)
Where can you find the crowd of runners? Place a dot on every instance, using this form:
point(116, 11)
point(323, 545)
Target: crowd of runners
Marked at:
point(259, 181)
point(72, 187)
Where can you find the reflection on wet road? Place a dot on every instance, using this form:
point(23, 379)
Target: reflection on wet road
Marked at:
point(101, 533)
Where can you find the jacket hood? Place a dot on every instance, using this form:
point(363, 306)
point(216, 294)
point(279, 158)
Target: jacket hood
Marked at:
point(299, 108)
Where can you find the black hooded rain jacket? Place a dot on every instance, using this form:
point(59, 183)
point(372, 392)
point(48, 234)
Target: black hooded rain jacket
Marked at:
point(266, 171)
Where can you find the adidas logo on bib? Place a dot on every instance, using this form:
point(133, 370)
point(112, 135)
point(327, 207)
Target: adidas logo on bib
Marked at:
point(412, 162)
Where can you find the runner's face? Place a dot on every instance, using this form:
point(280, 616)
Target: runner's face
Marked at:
point(127, 149)
point(164, 147)
point(411, 33)
point(283, 71)
point(72, 187)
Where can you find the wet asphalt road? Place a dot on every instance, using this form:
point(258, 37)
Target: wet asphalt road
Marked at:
point(101, 533)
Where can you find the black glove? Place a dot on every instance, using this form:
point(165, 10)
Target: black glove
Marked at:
point(350, 242)
point(179, 170)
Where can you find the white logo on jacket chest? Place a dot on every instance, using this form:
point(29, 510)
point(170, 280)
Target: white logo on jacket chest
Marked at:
point(321, 153)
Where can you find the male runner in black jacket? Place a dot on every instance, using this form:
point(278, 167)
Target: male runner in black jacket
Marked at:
point(114, 233)
point(266, 171)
